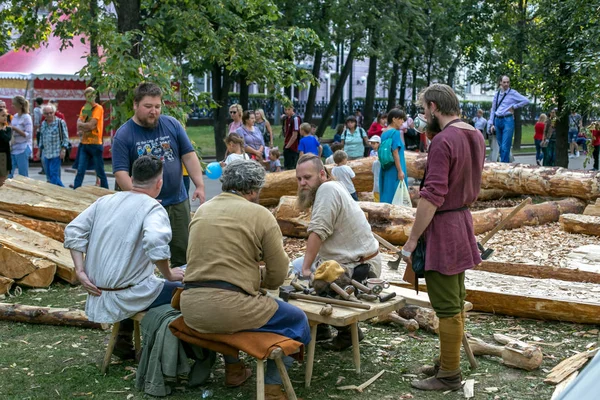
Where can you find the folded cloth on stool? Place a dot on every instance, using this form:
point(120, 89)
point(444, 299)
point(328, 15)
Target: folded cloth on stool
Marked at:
point(256, 344)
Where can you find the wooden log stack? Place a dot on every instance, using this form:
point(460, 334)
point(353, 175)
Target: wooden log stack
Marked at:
point(33, 216)
point(394, 223)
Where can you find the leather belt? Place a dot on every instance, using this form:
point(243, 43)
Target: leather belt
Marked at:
point(503, 116)
point(114, 289)
point(214, 285)
point(367, 258)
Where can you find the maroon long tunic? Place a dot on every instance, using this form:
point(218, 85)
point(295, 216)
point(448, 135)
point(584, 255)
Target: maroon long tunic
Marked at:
point(454, 167)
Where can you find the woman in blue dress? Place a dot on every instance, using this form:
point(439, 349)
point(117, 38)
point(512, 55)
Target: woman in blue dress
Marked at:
point(390, 178)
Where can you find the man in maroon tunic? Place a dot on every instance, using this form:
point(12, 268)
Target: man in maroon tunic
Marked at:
point(451, 183)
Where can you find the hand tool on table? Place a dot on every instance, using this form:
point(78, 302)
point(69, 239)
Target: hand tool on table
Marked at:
point(301, 288)
point(374, 297)
point(486, 253)
point(287, 292)
point(394, 263)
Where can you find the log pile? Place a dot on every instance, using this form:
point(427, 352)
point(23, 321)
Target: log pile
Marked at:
point(510, 178)
point(33, 216)
point(394, 223)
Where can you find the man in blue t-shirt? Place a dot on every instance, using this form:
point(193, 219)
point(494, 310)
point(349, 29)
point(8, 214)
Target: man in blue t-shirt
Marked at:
point(308, 143)
point(149, 133)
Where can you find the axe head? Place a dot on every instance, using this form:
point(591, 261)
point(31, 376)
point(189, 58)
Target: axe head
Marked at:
point(486, 254)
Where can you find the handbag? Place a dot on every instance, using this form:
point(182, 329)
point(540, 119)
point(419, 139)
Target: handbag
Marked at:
point(544, 143)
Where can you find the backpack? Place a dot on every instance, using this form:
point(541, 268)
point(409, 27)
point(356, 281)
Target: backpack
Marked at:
point(360, 130)
point(386, 158)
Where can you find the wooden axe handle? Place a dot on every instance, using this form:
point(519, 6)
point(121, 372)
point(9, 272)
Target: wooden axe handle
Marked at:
point(385, 243)
point(505, 220)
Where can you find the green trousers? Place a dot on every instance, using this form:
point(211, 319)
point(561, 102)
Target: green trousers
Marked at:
point(179, 216)
point(446, 293)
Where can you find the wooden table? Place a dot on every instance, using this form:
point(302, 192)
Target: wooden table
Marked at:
point(342, 316)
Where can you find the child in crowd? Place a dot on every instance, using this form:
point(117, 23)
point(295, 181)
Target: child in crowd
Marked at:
point(5, 137)
point(338, 132)
point(274, 163)
point(313, 129)
point(334, 147)
point(235, 148)
point(308, 143)
point(343, 173)
point(375, 141)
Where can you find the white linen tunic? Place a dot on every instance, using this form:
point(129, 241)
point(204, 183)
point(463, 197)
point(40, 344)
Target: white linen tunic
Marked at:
point(122, 235)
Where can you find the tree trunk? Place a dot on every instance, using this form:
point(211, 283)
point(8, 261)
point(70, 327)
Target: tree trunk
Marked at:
point(534, 180)
point(583, 224)
point(244, 92)
point(46, 316)
point(425, 317)
point(42, 200)
point(128, 19)
point(25, 241)
point(54, 230)
point(562, 127)
point(405, 65)
point(312, 92)
point(13, 265)
point(452, 70)
point(521, 43)
point(42, 277)
point(413, 95)
point(391, 98)
point(5, 284)
point(521, 356)
point(339, 87)
point(221, 81)
point(371, 86)
point(394, 223)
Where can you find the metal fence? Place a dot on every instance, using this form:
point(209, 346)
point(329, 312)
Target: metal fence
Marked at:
point(529, 114)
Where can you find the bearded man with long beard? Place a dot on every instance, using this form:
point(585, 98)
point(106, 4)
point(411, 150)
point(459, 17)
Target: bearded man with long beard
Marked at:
point(451, 183)
point(338, 231)
point(150, 133)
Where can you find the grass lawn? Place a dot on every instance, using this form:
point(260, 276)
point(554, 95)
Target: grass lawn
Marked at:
point(51, 362)
point(203, 136)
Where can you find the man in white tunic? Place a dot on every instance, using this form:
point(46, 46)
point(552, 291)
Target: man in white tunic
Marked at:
point(338, 230)
point(123, 236)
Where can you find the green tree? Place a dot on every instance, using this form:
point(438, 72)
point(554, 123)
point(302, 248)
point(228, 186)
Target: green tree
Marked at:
point(148, 40)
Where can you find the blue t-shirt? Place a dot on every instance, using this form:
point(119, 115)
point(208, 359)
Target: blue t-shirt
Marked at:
point(167, 141)
point(309, 144)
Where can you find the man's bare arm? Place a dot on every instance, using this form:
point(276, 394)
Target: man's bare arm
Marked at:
point(123, 180)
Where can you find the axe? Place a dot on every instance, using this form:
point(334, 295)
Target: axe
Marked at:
point(486, 253)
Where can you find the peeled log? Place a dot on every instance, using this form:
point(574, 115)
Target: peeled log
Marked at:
point(13, 265)
point(514, 354)
point(394, 223)
point(26, 241)
point(42, 277)
point(515, 178)
point(54, 230)
point(593, 209)
point(42, 200)
point(586, 224)
point(46, 315)
point(96, 191)
point(5, 284)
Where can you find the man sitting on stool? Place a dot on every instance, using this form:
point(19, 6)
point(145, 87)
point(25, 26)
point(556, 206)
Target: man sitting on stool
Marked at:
point(338, 231)
point(124, 236)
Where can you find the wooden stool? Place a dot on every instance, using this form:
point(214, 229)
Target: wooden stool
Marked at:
point(137, 318)
point(232, 344)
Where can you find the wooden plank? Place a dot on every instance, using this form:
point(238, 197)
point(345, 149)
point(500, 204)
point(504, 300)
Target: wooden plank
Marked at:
point(539, 271)
point(566, 367)
point(343, 316)
point(582, 224)
point(13, 265)
point(42, 277)
point(529, 306)
point(5, 284)
point(26, 241)
point(54, 230)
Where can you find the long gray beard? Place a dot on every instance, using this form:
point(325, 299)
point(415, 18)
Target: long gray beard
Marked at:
point(306, 198)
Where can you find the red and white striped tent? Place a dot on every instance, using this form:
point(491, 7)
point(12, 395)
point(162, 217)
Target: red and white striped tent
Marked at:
point(50, 73)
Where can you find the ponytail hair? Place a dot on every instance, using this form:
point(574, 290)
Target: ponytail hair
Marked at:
point(22, 103)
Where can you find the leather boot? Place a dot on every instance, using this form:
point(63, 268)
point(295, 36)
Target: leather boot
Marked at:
point(236, 374)
point(442, 381)
point(274, 392)
point(431, 370)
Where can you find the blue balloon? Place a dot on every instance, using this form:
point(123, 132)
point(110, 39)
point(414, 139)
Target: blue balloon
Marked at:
point(214, 170)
